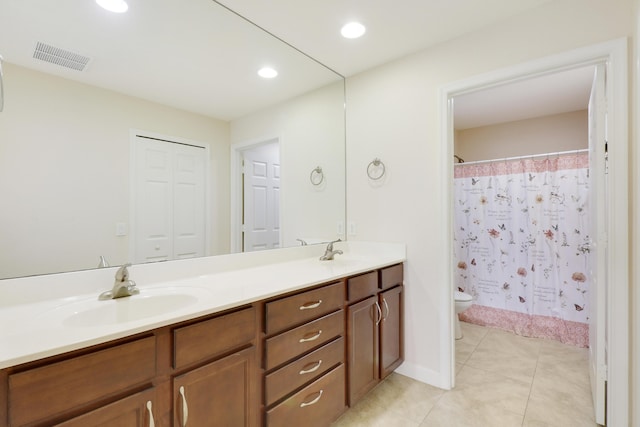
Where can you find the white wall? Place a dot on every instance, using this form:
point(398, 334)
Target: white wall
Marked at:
point(392, 113)
point(311, 133)
point(540, 135)
point(635, 221)
point(64, 171)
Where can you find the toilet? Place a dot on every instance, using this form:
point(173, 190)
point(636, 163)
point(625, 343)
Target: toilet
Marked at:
point(463, 302)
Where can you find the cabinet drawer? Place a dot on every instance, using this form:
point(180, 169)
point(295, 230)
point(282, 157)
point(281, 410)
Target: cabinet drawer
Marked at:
point(51, 390)
point(207, 339)
point(286, 346)
point(303, 370)
point(362, 286)
point(296, 309)
point(316, 405)
point(391, 276)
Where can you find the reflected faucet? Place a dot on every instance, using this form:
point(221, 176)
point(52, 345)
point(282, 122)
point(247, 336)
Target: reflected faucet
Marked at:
point(123, 286)
point(329, 252)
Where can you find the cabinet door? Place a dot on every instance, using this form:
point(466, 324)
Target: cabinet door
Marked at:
point(391, 330)
point(362, 337)
point(133, 411)
point(222, 393)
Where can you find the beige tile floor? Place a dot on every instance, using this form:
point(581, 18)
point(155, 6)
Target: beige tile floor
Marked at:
point(501, 380)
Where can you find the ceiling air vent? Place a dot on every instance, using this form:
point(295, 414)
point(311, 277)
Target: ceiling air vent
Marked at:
point(64, 58)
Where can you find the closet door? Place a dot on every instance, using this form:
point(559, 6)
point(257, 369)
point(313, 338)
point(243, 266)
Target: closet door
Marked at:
point(169, 201)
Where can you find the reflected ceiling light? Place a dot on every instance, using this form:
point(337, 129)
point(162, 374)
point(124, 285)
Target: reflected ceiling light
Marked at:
point(117, 6)
point(353, 30)
point(267, 72)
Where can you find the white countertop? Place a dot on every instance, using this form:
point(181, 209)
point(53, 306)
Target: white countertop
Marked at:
point(33, 310)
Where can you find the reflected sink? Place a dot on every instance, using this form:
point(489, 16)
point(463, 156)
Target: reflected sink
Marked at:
point(149, 303)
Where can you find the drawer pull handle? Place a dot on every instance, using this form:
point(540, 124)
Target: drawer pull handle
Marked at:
point(185, 407)
point(310, 305)
point(313, 369)
point(313, 402)
point(152, 423)
point(386, 306)
point(379, 314)
point(312, 338)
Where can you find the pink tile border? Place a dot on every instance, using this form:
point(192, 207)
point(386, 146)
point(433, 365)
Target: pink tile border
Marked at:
point(534, 326)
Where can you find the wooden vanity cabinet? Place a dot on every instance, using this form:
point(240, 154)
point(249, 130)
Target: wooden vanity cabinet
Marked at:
point(297, 359)
point(219, 393)
point(54, 392)
point(374, 328)
point(304, 381)
point(217, 377)
point(141, 380)
point(391, 330)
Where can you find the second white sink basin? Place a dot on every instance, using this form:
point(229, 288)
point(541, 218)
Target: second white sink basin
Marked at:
point(149, 303)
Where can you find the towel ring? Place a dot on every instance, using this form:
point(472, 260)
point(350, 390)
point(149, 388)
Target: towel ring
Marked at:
point(371, 169)
point(317, 176)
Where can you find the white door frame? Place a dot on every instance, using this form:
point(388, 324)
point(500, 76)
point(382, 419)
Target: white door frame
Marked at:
point(236, 187)
point(133, 133)
point(614, 55)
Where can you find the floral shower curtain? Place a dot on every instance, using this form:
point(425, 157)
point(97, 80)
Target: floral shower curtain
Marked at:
point(522, 244)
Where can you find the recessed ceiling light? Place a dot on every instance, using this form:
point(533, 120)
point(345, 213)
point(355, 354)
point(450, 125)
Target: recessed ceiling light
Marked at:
point(353, 30)
point(117, 6)
point(267, 72)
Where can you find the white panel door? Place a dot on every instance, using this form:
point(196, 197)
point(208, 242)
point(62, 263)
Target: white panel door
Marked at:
point(153, 220)
point(169, 212)
point(261, 204)
point(598, 229)
point(188, 202)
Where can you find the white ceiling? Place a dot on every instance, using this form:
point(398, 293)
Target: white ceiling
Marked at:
point(557, 93)
point(197, 56)
point(394, 28)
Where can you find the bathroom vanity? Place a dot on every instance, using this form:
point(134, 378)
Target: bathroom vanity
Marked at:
point(298, 353)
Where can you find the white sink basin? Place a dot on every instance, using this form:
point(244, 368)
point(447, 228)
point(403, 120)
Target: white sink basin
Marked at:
point(149, 303)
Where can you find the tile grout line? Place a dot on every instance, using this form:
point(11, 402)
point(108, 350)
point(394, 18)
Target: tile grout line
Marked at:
point(533, 377)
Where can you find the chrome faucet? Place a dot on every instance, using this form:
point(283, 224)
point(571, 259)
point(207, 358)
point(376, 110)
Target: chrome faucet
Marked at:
point(329, 252)
point(123, 286)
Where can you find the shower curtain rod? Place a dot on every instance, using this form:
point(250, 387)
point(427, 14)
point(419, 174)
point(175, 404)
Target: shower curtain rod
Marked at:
point(532, 156)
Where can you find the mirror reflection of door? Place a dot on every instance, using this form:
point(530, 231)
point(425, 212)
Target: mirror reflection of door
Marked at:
point(170, 200)
point(261, 197)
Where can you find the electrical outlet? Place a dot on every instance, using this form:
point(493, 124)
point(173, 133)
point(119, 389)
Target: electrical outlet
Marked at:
point(353, 228)
point(340, 228)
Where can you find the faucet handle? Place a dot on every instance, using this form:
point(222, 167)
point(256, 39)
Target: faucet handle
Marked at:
point(330, 245)
point(122, 275)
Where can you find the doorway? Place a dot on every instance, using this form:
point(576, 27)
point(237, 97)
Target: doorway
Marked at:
point(612, 57)
point(256, 188)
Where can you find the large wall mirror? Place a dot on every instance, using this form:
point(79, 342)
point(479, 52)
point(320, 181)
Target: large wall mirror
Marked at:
point(82, 88)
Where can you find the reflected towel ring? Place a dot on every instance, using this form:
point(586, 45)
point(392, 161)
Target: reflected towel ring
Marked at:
point(317, 176)
point(376, 165)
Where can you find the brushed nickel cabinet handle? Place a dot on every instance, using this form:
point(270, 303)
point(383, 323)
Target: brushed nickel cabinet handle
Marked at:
point(386, 306)
point(313, 338)
point(310, 305)
point(379, 313)
point(313, 402)
point(152, 423)
point(185, 407)
point(313, 369)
